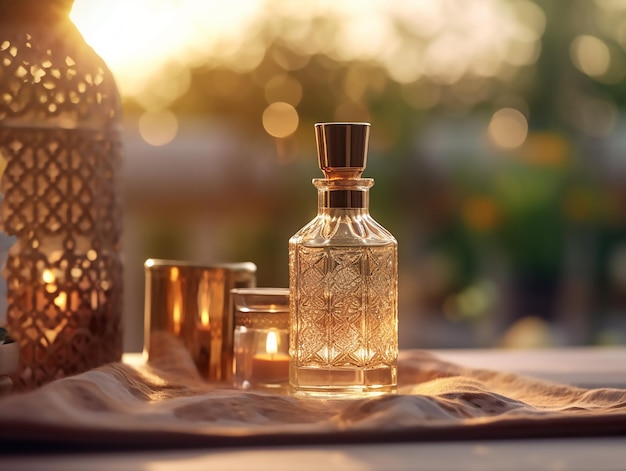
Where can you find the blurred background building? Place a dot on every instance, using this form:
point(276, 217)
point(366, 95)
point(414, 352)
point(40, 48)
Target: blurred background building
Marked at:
point(498, 147)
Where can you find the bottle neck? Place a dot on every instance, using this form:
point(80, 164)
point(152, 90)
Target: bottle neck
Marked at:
point(349, 194)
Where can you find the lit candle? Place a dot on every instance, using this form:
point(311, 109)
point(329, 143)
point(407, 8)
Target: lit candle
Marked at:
point(177, 300)
point(61, 301)
point(203, 356)
point(204, 329)
point(48, 289)
point(271, 366)
point(261, 338)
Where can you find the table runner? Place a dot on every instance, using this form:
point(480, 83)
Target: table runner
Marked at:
point(165, 404)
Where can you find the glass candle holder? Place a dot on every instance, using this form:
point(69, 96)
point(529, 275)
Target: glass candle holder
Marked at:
point(261, 354)
point(191, 303)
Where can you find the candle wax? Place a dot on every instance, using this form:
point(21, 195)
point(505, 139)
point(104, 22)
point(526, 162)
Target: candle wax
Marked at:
point(270, 368)
point(203, 355)
point(204, 335)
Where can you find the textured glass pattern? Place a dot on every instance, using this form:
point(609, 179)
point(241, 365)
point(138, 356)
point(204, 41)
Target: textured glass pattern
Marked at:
point(59, 111)
point(346, 306)
point(343, 306)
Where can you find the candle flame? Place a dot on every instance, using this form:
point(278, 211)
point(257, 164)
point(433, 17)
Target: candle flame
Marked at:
point(47, 276)
point(271, 344)
point(176, 317)
point(204, 317)
point(61, 300)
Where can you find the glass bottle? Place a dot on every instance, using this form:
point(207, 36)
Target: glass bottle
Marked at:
point(60, 142)
point(343, 276)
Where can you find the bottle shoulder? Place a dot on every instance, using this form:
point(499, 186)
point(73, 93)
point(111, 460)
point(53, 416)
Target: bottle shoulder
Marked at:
point(343, 228)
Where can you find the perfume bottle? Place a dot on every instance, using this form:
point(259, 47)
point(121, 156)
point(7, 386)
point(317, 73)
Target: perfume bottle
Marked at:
point(343, 273)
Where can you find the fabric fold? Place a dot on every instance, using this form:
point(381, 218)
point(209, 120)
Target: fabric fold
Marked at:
point(165, 403)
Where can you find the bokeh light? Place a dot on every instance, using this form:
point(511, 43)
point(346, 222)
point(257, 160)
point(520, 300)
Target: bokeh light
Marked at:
point(450, 86)
point(508, 128)
point(143, 40)
point(590, 55)
point(158, 128)
point(280, 119)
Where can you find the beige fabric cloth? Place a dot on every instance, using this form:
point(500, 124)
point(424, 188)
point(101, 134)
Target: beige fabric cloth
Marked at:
point(166, 404)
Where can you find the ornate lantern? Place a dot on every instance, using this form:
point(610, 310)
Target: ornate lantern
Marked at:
point(59, 140)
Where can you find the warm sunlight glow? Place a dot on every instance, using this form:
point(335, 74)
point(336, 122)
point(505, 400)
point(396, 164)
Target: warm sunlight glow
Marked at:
point(271, 344)
point(150, 45)
point(138, 38)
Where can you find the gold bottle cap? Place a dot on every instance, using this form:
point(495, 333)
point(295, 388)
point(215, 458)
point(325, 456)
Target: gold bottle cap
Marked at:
point(342, 149)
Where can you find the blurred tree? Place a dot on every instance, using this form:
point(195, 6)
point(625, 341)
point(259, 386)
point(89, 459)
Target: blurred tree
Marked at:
point(418, 71)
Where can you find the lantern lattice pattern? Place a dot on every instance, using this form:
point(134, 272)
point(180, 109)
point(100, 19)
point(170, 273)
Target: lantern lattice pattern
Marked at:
point(59, 111)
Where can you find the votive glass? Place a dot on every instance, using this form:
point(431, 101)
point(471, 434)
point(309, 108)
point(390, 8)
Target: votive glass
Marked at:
point(261, 343)
point(190, 303)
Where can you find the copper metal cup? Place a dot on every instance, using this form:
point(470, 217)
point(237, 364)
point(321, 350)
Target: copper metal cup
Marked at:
point(193, 304)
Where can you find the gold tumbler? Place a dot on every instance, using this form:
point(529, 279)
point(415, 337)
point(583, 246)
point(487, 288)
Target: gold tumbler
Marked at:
point(192, 303)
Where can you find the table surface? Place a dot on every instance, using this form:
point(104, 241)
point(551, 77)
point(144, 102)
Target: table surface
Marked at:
point(587, 367)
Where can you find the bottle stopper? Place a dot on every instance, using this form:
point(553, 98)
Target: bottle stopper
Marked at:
point(342, 149)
